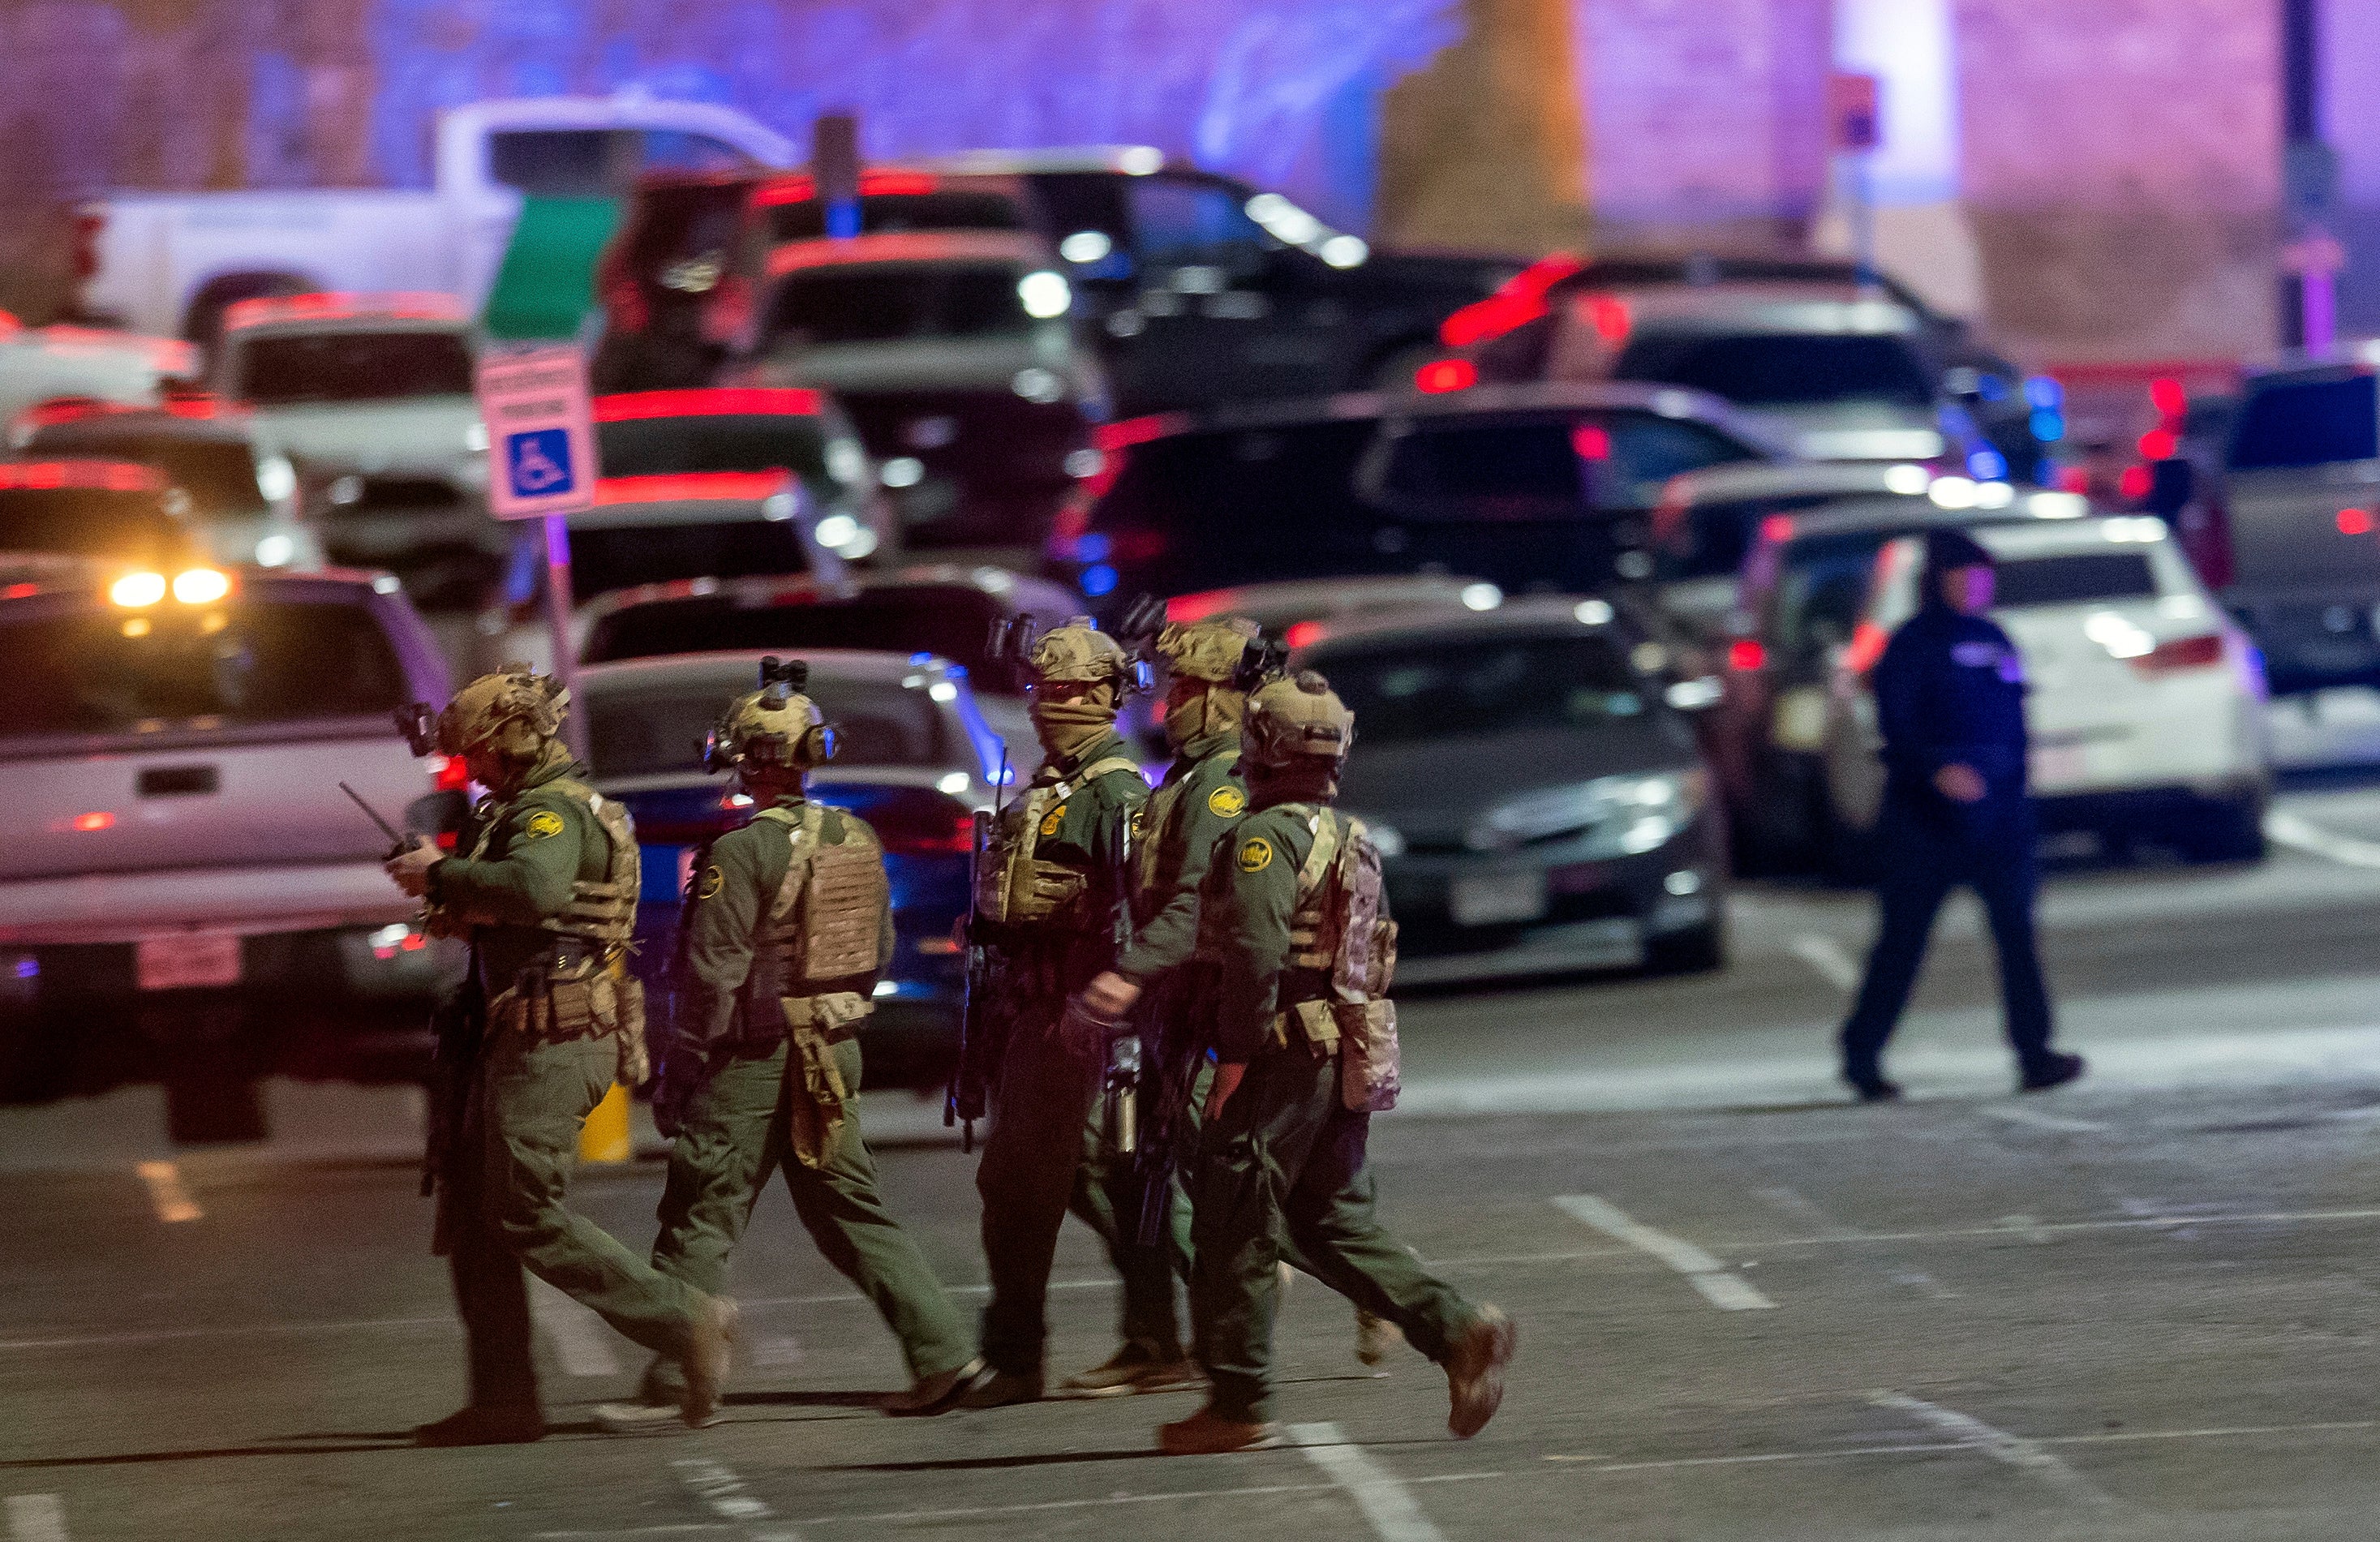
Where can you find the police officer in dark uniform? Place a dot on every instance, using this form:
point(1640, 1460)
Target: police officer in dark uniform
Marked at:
point(1950, 702)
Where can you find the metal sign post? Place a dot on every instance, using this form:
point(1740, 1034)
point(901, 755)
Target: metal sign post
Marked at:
point(834, 166)
point(542, 465)
point(1855, 124)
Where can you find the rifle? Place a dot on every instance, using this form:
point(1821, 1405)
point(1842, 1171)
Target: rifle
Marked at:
point(1120, 1088)
point(457, 1026)
point(1173, 1053)
point(968, 1091)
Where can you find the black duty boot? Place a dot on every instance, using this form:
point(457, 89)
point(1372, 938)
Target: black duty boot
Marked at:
point(476, 1426)
point(2054, 1069)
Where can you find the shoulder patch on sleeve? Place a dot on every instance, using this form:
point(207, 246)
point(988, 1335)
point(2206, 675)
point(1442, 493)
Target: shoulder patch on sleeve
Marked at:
point(542, 823)
point(1053, 820)
point(1227, 803)
point(1256, 855)
point(712, 882)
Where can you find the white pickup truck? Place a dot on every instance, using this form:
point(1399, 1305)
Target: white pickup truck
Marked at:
point(171, 263)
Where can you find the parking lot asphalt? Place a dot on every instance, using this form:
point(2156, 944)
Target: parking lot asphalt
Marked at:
point(2140, 1306)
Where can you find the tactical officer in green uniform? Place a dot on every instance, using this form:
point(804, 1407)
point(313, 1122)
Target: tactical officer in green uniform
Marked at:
point(547, 1019)
point(787, 927)
point(1305, 1051)
point(1046, 896)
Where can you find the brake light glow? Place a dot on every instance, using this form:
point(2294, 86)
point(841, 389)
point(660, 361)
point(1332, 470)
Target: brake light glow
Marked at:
point(945, 829)
point(2135, 482)
point(1518, 301)
point(2159, 444)
point(747, 401)
point(97, 819)
point(2203, 651)
point(1866, 647)
point(1441, 376)
point(1126, 433)
point(340, 306)
point(1303, 632)
point(1610, 316)
point(2168, 397)
point(95, 476)
point(2355, 522)
point(890, 183)
point(1777, 528)
point(1746, 655)
point(1591, 441)
point(692, 488)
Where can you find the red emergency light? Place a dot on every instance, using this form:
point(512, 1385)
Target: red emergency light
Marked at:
point(890, 182)
point(728, 401)
point(695, 487)
point(90, 476)
point(1442, 377)
point(1518, 301)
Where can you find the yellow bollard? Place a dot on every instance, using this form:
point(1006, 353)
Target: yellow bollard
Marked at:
point(605, 1137)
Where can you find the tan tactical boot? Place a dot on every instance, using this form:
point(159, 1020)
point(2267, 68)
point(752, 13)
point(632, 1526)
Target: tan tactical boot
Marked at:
point(1207, 1433)
point(1474, 1371)
point(708, 1344)
point(933, 1394)
point(1375, 1336)
point(1135, 1369)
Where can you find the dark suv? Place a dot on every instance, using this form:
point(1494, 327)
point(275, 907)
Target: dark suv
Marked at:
point(1201, 288)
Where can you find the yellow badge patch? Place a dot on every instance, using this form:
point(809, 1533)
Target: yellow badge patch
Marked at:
point(1256, 855)
point(1138, 823)
point(542, 823)
point(712, 882)
point(1227, 803)
point(1053, 820)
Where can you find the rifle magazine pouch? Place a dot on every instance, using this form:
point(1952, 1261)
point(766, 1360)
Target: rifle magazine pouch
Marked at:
point(1367, 1055)
point(579, 1004)
point(1321, 1028)
point(819, 1094)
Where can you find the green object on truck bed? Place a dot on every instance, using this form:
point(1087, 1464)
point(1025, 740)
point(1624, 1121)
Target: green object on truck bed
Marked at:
point(546, 287)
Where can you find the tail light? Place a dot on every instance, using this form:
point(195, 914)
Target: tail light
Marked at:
point(1442, 376)
point(2205, 651)
point(1746, 655)
point(1519, 300)
point(936, 826)
point(1866, 647)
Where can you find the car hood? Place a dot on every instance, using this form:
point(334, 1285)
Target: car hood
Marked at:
point(1857, 431)
point(430, 433)
point(1431, 790)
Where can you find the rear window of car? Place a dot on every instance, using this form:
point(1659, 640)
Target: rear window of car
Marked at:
point(292, 370)
point(880, 212)
point(220, 477)
point(895, 304)
point(1822, 587)
point(756, 442)
point(1496, 470)
point(624, 556)
point(949, 620)
point(89, 522)
point(649, 731)
point(243, 664)
point(2315, 423)
point(1436, 690)
point(1230, 506)
point(1782, 368)
point(2074, 578)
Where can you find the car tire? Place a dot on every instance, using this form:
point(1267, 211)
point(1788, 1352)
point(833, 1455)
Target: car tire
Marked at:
point(1693, 951)
point(2226, 830)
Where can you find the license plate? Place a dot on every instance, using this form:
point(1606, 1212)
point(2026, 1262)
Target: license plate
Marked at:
point(178, 961)
point(1495, 899)
point(2057, 766)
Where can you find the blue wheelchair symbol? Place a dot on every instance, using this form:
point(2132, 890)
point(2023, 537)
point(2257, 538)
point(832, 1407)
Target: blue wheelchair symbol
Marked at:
point(538, 463)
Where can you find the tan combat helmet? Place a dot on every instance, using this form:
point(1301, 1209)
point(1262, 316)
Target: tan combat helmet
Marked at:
point(1209, 651)
point(774, 726)
point(1078, 652)
point(1293, 719)
point(514, 712)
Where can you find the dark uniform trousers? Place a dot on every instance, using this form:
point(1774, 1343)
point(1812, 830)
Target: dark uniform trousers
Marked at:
point(1285, 1162)
point(506, 1208)
point(1924, 858)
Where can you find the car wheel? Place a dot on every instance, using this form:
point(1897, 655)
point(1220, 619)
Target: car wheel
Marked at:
point(2226, 830)
point(1687, 953)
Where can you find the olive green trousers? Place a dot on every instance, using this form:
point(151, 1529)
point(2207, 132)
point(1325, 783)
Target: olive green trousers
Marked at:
point(736, 1131)
point(1280, 1173)
point(508, 1211)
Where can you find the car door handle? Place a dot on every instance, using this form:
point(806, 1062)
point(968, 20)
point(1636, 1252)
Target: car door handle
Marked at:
point(179, 781)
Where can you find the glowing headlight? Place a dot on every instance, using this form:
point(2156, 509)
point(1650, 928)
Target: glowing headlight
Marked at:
point(1481, 597)
point(846, 461)
point(200, 586)
point(779, 506)
point(1344, 251)
point(837, 531)
point(276, 479)
point(275, 552)
point(135, 590)
point(953, 784)
point(1045, 295)
point(902, 472)
point(1085, 246)
point(1036, 384)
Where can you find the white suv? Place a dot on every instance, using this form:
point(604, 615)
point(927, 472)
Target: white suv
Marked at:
point(2147, 704)
point(175, 835)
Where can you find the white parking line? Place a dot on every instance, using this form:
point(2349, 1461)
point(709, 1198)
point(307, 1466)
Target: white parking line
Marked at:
point(720, 1491)
point(173, 1202)
point(1719, 1285)
point(2041, 1121)
point(1387, 1505)
point(581, 1340)
point(1828, 958)
point(2303, 834)
point(1998, 1444)
point(37, 1518)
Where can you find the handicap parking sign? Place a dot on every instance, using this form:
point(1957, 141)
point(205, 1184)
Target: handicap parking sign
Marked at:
point(534, 402)
point(538, 463)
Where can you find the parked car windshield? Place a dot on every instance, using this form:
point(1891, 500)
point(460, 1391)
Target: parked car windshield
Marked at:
point(757, 441)
point(2074, 578)
point(293, 368)
point(240, 665)
point(90, 522)
point(1781, 368)
point(895, 303)
point(2312, 422)
point(951, 620)
point(623, 556)
point(1435, 690)
point(219, 476)
point(644, 730)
